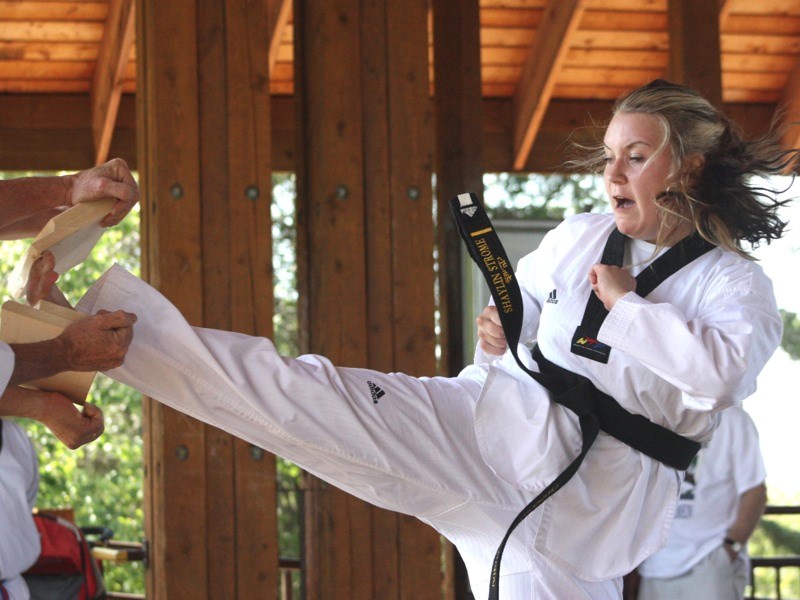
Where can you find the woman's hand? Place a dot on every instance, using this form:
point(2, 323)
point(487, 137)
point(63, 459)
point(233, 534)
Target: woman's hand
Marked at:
point(611, 283)
point(491, 338)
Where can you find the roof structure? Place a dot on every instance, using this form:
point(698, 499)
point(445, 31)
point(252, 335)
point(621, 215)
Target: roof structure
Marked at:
point(532, 52)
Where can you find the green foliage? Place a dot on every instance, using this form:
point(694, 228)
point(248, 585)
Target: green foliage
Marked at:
point(791, 334)
point(101, 481)
point(284, 264)
point(777, 536)
point(536, 196)
point(286, 338)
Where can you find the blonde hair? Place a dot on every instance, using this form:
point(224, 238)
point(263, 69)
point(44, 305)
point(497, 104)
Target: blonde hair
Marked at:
point(715, 194)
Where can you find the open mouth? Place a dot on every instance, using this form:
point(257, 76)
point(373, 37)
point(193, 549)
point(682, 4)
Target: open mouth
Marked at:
point(621, 202)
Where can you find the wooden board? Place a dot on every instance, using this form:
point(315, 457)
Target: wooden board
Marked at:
point(23, 324)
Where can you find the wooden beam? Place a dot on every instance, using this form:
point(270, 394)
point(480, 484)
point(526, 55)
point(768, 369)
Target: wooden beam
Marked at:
point(459, 151)
point(51, 132)
point(112, 60)
point(559, 22)
point(279, 11)
point(694, 46)
point(789, 110)
point(724, 12)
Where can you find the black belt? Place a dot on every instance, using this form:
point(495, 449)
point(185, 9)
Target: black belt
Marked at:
point(595, 410)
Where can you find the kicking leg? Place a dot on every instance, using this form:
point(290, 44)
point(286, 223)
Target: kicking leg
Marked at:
point(400, 442)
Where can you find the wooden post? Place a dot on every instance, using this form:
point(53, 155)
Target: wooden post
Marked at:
point(694, 46)
point(459, 168)
point(204, 143)
point(459, 151)
point(364, 181)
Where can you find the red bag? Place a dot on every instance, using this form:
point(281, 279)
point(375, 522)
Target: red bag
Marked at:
point(65, 569)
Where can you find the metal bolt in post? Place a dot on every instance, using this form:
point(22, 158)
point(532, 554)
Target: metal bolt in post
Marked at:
point(252, 192)
point(256, 453)
point(182, 452)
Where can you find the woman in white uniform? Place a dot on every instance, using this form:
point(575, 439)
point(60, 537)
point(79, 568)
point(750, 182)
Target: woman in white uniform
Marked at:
point(466, 454)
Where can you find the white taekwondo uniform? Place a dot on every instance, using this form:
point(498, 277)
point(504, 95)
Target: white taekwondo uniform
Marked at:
point(6, 365)
point(19, 485)
point(466, 454)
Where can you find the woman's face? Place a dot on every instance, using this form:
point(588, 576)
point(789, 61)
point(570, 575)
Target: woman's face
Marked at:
point(636, 172)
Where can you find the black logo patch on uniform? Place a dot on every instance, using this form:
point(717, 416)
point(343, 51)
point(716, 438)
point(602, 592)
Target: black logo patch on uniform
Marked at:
point(588, 347)
point(376, 392)
point(551, 299)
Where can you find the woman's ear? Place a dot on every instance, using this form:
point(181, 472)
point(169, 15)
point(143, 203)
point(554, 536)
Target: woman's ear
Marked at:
point(696, 163)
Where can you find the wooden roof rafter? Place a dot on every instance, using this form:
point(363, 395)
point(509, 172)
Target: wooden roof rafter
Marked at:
point(549, 49)
point(107, 84)
point(789, 111)
point(279, 12)
point(724, 12)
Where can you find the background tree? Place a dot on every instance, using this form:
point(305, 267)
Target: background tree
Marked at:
point(791, 334)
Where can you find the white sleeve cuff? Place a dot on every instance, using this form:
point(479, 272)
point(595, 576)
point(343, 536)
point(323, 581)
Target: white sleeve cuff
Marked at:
point(616, 326)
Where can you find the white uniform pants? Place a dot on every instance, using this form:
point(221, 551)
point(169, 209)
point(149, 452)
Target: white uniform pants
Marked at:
point(716, 577)
point(402, 443)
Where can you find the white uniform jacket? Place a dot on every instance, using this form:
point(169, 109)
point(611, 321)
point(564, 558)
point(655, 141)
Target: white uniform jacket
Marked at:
point(691, 348)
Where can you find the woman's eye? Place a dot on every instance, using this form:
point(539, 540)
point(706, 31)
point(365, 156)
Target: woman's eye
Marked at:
point(608, 160)
point(635, 158)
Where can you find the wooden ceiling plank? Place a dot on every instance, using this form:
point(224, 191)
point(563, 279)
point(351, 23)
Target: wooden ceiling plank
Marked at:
point(559, 22)
point(18, 86)
point(634, 59)
point(520, 37)
point(758, 63)
point(279, 13)
point(760, 43)
point(754, 81)
point(733, 95)
point(53, 31)
point(623, 21)
point(641, 40)
point(510, 17)
point(53, 11)
point(582, 92)
point(513, 4)
point(48, 51)
point(623, 5)
point(613, 76)
point(112, 61)
point(767, 7)
point(762, 24)
point(23, 69)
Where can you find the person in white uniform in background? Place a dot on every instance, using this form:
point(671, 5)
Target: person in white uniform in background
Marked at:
point(26, 204)
point(722, 499)
point(466, 454)
point(19, 484)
